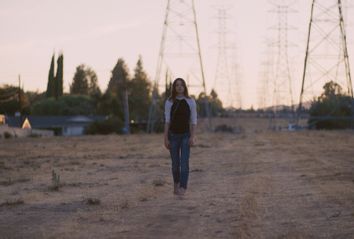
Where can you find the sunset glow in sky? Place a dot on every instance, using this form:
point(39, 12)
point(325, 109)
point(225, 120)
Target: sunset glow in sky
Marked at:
point(97, 33)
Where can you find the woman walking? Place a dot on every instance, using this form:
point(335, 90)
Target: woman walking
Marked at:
point(179, 133)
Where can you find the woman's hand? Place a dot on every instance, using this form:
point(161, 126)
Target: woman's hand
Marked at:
point(166, 141)
point(191, 141)
point(167, 144)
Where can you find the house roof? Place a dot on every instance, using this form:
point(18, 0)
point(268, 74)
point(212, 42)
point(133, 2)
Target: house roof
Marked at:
point(42, 122)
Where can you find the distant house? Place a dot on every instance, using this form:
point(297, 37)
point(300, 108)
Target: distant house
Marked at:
point(26, 124)
point(61, 125)
point(2, 119)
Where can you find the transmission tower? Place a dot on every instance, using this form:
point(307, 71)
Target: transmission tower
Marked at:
point(282, 84)
point(226, 80)
point(346, 6)
point(180, 55)
point(266, 73)
point(236, 98)
point(326, 56)
point(222, 78)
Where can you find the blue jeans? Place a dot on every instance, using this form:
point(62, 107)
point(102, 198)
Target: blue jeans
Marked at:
point(179, 151)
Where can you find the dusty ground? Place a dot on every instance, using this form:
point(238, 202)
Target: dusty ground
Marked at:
point(251, 184)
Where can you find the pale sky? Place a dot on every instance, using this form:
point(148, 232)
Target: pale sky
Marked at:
point(98, 32)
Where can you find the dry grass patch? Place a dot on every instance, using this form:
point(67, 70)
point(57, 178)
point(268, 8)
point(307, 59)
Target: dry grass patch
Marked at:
point(14, 202)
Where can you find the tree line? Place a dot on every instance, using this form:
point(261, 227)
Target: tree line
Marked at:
point(331, 110)
point(86, 98)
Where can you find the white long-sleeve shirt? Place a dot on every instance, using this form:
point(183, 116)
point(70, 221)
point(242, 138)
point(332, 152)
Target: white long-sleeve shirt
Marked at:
point(192, 107)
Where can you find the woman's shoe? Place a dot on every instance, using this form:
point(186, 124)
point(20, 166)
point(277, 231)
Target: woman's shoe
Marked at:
point(181, 191)
point(175, 188)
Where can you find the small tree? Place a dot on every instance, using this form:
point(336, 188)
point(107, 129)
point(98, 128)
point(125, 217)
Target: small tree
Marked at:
point(118, 89)
point(85, 82)
point(331, 110)
point(12, 100)
point(139, 93)
point(119, 80)
point(93, 88)
point(80, 84)
point(213, 101)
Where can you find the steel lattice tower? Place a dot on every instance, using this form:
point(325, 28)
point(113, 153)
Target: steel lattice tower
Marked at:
point(236, 98)
point(226, 79)
point(282, 84)
point(180, 54)
point(222, 79)
point(326, 56)
point(265, 75)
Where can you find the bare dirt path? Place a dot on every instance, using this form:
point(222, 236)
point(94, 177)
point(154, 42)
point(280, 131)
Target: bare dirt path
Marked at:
point(247, 185)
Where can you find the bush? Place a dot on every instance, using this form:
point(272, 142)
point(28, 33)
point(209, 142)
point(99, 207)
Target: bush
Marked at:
point(92, 201)
point(7, 135)
point(111, 125)
point(224, 128)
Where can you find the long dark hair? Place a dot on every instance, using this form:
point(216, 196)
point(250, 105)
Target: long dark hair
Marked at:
point(174, 92)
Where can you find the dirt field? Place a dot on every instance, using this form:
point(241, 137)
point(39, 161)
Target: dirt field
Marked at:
point(250, 184)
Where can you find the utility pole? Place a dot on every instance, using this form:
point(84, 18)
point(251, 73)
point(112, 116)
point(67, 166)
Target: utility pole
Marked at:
point(126, 112)
point(19, 93)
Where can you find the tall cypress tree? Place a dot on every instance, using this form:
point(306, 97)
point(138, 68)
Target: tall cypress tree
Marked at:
point(59, 77)
point(51, 80)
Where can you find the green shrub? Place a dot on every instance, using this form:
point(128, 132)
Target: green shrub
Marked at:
point(109, 126)
point(65, 105)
